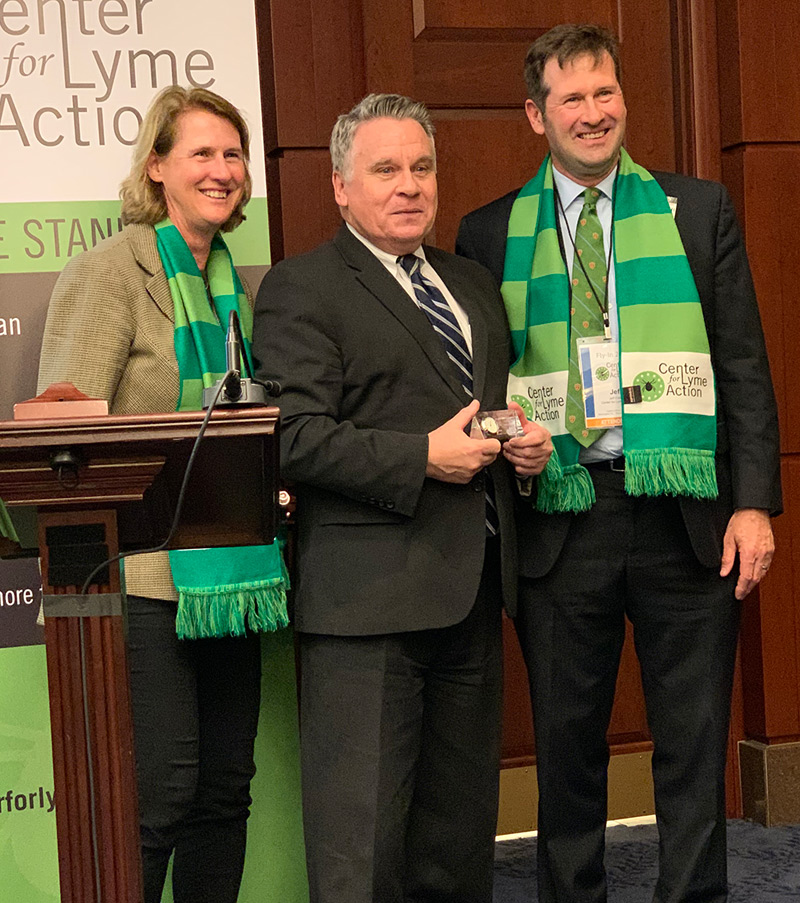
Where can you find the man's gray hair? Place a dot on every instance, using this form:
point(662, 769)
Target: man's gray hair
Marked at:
point(375, 106)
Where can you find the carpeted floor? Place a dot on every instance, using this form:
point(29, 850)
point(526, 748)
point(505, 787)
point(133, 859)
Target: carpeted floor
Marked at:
point(763, 865)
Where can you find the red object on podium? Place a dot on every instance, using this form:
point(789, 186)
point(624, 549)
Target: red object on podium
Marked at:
point(59, 401)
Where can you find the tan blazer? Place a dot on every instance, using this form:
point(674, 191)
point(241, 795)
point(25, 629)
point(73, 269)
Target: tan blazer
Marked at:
point(110, 332)
point(110, 326)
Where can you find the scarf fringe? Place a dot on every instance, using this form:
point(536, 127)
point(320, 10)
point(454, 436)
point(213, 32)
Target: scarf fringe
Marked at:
point(228, 610)
point(654, 472)
point(672, 471)
point(564, 489)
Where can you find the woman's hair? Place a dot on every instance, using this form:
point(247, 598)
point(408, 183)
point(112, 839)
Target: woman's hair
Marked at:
point(143, 199)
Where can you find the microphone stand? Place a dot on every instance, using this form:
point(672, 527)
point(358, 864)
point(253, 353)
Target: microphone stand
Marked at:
point(238, 391)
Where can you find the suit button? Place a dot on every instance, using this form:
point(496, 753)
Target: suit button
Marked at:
point(389, 504)
point(478, 485)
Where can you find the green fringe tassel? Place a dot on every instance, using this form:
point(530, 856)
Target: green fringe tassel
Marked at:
point(227, 609)
point(673, 471)
point(6, 527)
point(564, 489)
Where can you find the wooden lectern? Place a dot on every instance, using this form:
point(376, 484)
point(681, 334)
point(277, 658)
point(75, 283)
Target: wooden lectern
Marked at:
point(103, 485)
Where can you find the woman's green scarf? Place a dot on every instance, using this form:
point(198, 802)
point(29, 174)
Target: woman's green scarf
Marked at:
point(669, 433)
point(221, 591)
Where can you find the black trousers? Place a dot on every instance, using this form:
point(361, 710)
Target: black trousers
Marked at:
point(400, 748)
point(630, 556)
point(195, 712)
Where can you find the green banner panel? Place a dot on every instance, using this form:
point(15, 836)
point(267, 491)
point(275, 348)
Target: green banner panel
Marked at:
point(42, 237)
point(28, 850)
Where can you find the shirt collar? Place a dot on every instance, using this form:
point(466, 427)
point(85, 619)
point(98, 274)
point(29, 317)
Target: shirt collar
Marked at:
point(569, 190)
point(387, 259)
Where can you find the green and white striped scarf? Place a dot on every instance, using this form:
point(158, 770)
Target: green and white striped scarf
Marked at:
point(221, 591)
point(670, 436)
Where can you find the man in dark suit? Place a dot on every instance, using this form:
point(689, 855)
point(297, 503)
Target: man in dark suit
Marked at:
point(405, 526)
point(661, 545)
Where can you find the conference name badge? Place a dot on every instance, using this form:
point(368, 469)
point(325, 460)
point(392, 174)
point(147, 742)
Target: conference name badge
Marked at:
point(543, 398)
point(670, 382)
point(598, 360)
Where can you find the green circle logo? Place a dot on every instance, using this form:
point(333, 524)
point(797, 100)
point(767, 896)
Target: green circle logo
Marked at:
point(651, 384)
point(525, 404)
point(602, 373)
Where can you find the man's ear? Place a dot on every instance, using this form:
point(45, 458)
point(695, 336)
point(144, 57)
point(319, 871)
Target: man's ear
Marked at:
point(339, 190)
point(535, 117)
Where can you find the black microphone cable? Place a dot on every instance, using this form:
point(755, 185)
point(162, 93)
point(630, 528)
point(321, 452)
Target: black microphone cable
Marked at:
point(181, 494)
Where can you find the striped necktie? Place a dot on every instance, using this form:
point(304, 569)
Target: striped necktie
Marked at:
point(435, 307)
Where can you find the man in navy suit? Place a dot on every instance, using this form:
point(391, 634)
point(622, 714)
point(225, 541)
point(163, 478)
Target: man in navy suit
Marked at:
point(406, 544)
point(675, 563)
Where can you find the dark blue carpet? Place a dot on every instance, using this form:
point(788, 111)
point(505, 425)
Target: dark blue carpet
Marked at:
point(763, 865)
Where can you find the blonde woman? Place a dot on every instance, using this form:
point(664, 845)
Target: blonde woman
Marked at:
point(137, 321)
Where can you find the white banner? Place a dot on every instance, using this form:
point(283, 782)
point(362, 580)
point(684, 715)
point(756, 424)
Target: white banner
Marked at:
point(77, 75)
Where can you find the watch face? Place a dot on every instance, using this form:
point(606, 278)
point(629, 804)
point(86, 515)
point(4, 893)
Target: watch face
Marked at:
point(651, 384)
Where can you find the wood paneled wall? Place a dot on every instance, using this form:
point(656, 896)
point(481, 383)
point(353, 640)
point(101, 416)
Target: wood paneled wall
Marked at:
point(687, 65)
point(463, 58)
point(760, 135)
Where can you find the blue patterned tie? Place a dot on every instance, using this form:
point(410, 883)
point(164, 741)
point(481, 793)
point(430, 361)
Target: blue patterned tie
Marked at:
point(435, 307)
point(441, 316)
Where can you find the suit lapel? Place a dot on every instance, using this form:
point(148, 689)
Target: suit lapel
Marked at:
point(372, 274)
point(145, 250)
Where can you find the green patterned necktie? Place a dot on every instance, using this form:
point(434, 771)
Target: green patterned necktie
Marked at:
point(585, 316)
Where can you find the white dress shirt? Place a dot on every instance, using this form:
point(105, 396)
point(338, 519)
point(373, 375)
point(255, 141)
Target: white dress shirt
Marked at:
point(570, 193)
point(391, 264)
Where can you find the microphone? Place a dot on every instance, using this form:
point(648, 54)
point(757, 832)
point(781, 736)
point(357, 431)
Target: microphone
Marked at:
point(233, 352)
point(272, 386)
point(246, 392)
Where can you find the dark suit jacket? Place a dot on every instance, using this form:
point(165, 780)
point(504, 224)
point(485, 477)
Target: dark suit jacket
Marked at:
point(381, 548)
point(748, 463)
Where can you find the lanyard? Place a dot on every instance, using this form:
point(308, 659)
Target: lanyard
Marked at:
point(602, 304)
